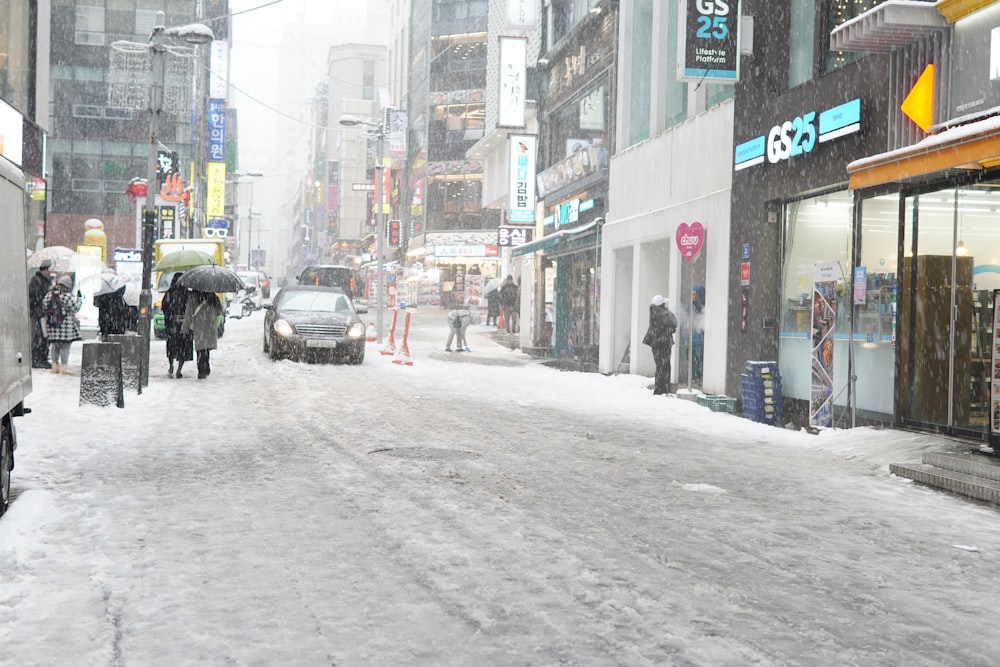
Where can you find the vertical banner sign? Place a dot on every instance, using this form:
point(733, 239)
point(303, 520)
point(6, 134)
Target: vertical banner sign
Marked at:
point(215, 199)
point(708, 42)
point(690, 238)
point(522, 13)
point(522, 178)
point(218, 77)
point(513, 71)
point(994, 375)
point(216, 131)
point(824, 318)
point(168, 222)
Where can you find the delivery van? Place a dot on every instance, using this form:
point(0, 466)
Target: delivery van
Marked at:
point(214, 248)
point(15, 323)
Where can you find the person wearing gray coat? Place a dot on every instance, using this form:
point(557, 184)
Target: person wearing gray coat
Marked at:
point(200, 318)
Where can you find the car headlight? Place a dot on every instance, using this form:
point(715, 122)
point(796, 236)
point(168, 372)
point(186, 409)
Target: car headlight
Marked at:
point(357, 330)
point(283, 328)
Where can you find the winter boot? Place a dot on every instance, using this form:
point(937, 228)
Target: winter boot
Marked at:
point(170, 368)
point(180, 365)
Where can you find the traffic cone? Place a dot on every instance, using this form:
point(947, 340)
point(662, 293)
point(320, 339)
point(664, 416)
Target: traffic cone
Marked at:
point(403, 356)
point(390, 347)
point(371, 335)
point(500, 323)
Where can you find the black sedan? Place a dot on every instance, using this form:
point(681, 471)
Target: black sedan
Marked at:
point(313, 323)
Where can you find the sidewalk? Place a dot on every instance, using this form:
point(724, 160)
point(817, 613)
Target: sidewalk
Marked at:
point(429, 333)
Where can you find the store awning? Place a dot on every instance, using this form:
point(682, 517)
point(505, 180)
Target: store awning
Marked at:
point(971, 147)
point(552, 241)
point(889, 25)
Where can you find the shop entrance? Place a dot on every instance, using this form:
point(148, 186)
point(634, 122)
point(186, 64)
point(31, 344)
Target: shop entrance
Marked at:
point(949, 270)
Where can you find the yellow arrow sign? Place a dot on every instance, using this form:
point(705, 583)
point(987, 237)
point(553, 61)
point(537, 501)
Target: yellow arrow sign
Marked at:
point(919, 104)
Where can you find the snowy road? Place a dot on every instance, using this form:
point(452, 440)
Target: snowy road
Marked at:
point(478, 510)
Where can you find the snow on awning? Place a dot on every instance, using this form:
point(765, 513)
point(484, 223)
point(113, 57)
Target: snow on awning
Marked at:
point(552, 240)
point(974, 146)
point(890, 25)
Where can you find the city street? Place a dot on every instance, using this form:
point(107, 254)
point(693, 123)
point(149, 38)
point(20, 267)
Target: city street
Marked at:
point(471, 509)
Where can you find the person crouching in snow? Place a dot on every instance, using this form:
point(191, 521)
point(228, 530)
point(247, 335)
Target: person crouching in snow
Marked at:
point(458, 322)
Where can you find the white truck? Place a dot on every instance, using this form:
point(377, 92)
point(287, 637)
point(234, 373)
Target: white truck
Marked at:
point(15, 324)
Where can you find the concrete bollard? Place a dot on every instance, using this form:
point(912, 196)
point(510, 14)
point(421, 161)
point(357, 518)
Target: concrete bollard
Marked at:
point(131, 354)
point(101, 375)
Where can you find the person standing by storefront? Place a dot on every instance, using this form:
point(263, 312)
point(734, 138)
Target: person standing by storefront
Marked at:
point(660, 338)
point(37, 289)
point(509, 299)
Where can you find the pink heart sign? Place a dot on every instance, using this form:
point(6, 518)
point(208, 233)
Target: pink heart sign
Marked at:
point(690, 238)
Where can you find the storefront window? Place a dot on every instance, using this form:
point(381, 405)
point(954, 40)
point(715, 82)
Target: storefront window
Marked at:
point(580, 123)
point(817, 230)
point(838, 12)
point(875, 287)
point(950, 269)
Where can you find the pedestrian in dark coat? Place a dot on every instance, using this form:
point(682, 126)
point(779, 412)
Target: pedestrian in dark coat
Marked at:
point(112, 313)
point(660, 338)
point(180, 343)
point(509, 299)
point(493, 307)
point(39, 286)
point(61, 336)
point(200, 318)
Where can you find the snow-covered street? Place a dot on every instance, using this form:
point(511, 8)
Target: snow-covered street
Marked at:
point(475, 509)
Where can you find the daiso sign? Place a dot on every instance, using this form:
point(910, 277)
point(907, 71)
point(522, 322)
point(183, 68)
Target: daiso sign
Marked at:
point(690, 238)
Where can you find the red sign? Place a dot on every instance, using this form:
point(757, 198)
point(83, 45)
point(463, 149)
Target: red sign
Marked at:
point(745, 273)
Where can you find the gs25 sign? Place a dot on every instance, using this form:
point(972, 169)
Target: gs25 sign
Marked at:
point(709, 37)
point(791, 138)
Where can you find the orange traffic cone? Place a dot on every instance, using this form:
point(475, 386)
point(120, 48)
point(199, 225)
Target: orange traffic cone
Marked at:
point(390, 347)
point(403, 354)
point(500, 323)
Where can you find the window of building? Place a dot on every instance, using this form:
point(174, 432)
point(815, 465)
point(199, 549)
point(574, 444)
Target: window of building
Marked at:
point(145, 21)
point(368, 80)
point(89, 25)
point(817, 230)
point(837, 12)
point(579, 123)
point(87, 185)
point(676, 92)
point(640, 89)
point(88, 111)
point(801, 40)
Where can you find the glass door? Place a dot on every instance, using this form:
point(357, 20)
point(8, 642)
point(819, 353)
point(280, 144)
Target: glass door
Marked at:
point(935, 316)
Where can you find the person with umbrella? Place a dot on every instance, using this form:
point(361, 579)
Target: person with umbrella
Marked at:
point(493, 301)
point(179, 341)
point(112, 311)
point(63, 325)
point(200, 315)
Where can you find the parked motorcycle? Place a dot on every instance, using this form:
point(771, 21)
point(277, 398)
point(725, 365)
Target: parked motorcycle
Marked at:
point(242, 304)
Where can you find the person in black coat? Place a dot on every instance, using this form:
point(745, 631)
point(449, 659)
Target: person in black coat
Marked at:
point(660, 338)
point(39, 286)
point(112, 313)
point(509, 298)
point(493, 307)
point(180, 343)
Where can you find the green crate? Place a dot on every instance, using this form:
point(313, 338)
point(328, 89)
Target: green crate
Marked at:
point(718, 403)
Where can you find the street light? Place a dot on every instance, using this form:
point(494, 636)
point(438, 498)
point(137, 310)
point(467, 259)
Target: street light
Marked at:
point(160, 41)
point(250, 213)
point(351, 121)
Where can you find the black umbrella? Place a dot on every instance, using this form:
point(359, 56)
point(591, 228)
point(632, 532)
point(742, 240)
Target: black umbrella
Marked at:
point(211, 279)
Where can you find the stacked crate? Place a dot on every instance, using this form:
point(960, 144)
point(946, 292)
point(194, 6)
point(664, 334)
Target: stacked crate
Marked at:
point(761, 385)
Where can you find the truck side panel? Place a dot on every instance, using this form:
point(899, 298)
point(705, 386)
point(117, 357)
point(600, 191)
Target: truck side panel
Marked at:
point(15, 324)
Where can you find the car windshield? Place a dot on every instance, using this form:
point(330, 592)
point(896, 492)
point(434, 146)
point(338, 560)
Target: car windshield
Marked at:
point(250, 279)
point(326, 302)
point(163, 284)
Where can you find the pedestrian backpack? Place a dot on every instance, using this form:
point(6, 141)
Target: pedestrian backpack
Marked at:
point(54, 311)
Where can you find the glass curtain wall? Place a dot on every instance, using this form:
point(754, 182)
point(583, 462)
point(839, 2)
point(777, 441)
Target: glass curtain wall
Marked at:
point(951, 266)
point(817, 230)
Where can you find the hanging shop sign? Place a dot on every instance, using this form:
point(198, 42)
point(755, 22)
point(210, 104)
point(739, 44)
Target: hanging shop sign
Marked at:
point(215, 200)
point(218, 69)
point(709, 41)
point(690, 238)
point(522, 178)
point(509, 236)
point(513, 72)
point(216, 131)
point(799, 135)
point(824, 317)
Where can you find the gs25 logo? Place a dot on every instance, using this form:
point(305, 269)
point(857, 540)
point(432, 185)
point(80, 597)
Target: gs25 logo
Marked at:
point(791, 138)
point(713, 19)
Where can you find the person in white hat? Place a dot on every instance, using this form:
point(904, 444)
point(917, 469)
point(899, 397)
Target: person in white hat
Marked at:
point(63, 326)
point(660, 338)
